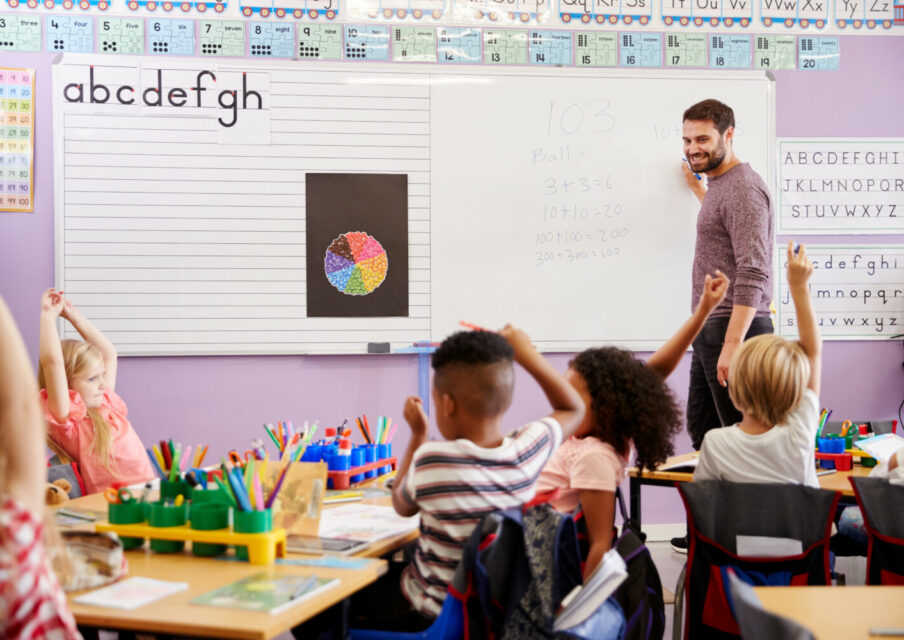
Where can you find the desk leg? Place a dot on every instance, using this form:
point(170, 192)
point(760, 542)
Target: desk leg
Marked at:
point(634, 497)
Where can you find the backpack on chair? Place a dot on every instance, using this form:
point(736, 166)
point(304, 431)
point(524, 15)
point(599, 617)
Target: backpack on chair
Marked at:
point(640, 596)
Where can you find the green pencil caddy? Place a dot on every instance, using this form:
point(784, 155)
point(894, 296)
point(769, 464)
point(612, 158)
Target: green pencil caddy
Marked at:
point(165, 515)
point(251, 522)
point(208, 496)
point(172, 489)
point(208, 516)
point(131, 512)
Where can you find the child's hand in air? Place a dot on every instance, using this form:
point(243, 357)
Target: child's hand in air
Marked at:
point(415, 417)
point(714, 290)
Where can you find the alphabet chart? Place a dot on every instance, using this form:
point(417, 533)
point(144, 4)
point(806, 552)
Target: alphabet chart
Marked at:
point(857, 291)
point(840, 185)
point(17, 89)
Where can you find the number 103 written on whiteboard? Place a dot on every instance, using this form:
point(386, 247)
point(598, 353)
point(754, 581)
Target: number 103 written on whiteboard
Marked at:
point(582, 118)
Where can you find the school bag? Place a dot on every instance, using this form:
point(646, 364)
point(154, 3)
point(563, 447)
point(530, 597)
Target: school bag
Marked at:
point(516, 567)
point(640, 596)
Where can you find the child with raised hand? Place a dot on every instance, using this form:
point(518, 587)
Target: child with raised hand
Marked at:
point(447, 482)
point(32, 604)
point(628, 402)
point(87, 420)
point(775, 384)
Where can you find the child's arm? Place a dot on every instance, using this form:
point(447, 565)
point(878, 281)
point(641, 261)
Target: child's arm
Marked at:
point(568, 408)
point(22, 430)
point(50, 355)
point(669, 355)
point(599, 512)
point(417, 421)
point(799, 271)
point(95, 338)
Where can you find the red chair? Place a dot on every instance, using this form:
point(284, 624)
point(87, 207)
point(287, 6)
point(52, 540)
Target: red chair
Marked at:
point(717, 513)
point(880, 502)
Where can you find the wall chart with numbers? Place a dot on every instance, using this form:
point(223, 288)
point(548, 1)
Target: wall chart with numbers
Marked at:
point(17, 120)
point(266, 206)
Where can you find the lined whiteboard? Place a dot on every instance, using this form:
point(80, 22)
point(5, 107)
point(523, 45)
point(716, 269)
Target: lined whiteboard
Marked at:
point(178, 235)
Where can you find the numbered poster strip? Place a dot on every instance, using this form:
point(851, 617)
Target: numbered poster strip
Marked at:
point(17, 117)
point(819, 54)
point(857, 291)
point(20, 33)
point(775, 52)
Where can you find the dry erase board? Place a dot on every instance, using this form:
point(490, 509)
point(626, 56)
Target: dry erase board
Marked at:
point(552, 199)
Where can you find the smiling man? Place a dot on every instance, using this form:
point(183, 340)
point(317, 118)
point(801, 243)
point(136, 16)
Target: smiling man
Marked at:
point(735, 235)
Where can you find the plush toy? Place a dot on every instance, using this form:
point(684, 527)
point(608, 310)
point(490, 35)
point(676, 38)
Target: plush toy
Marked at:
point(57, 492)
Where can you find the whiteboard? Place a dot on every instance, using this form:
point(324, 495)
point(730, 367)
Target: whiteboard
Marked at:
point(178, 236)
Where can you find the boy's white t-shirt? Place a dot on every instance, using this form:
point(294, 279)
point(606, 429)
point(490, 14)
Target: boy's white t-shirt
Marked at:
point(784, 454)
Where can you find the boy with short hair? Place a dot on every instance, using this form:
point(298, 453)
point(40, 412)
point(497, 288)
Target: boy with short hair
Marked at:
point(775, 384)
point(477, 470)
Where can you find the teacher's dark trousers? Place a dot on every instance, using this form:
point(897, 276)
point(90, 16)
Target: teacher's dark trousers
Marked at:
point(708, 404)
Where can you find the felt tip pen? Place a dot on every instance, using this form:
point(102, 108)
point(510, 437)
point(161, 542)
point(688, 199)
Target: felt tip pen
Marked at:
point(875, 631)
point(796, 248)
point(696, 175)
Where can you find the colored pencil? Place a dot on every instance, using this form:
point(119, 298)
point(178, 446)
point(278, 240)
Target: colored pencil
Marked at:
point(155, 464)
point(392, 432)
point(201, 457)
point(277, 487)
point(271, 434)
point(184, 457)
point(159, 456)
point(227, 491)
point(258, 494)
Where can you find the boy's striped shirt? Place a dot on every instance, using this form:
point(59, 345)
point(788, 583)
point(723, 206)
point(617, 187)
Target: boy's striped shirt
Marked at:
point(455, 484)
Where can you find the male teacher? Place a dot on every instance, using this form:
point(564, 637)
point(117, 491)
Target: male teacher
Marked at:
point(735, 235)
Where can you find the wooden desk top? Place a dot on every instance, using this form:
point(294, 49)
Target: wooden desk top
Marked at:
point(837, 481)
point(174, 614)
point(837, 612)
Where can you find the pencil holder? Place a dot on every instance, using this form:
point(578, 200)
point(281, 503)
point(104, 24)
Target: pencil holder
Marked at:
point(165, 515)
point(251, 522)
point(337, 462)
point(370, 455)
point(311, 453)
point(172, 489)
point(384, 451)
point(357, 461)
point(208, 516)
point(132, 512)
point(830, 445)
point(208, 496)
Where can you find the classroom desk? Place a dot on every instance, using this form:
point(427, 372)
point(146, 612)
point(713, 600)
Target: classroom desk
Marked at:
point(837, 481)
point(846, 613)
point(174, 614)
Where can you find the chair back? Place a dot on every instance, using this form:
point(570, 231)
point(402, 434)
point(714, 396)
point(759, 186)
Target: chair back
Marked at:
point(880, 502)
point(718, 513)
point(755, 622)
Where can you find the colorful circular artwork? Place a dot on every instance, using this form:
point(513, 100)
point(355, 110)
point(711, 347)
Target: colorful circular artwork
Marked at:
point(356, 263)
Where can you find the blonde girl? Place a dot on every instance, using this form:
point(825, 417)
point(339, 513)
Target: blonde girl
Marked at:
point(86, 418)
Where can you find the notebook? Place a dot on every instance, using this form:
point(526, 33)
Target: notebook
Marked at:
point(131, 593)
point(267, 592)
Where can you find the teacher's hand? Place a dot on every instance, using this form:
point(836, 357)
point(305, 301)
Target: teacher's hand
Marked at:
point(725, 356)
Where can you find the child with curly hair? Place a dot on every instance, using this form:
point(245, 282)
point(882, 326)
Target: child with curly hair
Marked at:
point(628, 402)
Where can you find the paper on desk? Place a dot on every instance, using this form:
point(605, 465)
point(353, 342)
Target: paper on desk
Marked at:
point(366, 522)
point(687, 463)
point(131, 593)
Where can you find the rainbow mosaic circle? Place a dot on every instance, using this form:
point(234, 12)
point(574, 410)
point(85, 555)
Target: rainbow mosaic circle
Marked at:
point(356, 263)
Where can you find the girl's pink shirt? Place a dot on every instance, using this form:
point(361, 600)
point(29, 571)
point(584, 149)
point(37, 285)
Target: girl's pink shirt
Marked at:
point(581, 464)
point(130, 464)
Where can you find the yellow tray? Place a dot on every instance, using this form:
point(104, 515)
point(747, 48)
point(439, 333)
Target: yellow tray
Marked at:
point(263, 548)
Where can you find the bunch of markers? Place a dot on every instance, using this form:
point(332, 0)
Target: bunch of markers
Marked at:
point(170, 460)
point(823, 418)
point(384, 433)
point(243, 487)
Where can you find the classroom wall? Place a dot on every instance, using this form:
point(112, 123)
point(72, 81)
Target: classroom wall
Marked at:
point(222, 400)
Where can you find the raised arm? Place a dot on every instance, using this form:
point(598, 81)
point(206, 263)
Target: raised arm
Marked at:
point(95, 338)
point(22, 429)
point(50, 355)
point(667, 357)
point(417, 422)
point(799, 271)
point(568, 408)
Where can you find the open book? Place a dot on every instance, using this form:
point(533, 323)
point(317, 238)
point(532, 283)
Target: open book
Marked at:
point(584, 599)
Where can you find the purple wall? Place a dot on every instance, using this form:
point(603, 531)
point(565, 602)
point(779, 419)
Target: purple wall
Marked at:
point(223, 400)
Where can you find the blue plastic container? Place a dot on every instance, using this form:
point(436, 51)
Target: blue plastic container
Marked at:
point(370, 455)
point(357, 461)
point(384, 451)
point(830, 445)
